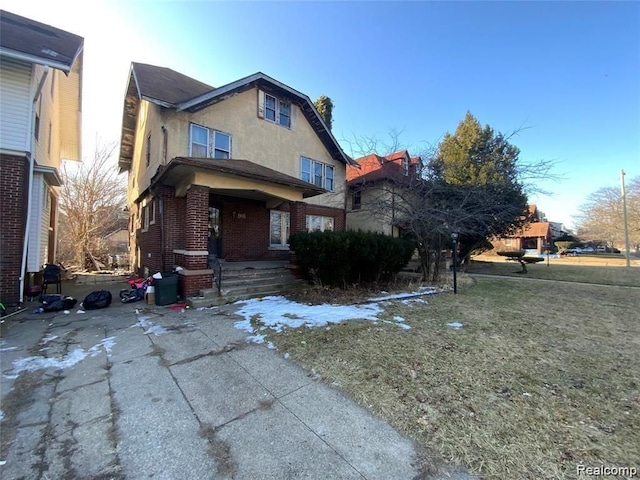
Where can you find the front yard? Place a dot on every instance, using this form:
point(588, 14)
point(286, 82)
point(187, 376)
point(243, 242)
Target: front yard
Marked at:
point(540, 377)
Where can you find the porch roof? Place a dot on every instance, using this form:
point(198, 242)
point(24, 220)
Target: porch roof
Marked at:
point(181, 167)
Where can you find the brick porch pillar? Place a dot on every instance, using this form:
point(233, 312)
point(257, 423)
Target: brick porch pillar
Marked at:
point(297, 217)
point(196, 275)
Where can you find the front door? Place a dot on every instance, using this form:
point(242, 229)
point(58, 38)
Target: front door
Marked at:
point(215, 231)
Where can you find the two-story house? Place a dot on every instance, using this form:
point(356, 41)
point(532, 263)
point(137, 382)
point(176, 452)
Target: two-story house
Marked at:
point(225, 172)
point(376, 187)
point(40, 107)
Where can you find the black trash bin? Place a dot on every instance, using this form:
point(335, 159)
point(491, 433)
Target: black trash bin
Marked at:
point(166, 289)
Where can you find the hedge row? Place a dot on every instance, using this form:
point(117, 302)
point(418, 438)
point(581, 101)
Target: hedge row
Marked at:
point(344, 258)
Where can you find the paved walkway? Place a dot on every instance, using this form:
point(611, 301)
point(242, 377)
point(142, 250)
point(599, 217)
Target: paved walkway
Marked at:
point(136, 392)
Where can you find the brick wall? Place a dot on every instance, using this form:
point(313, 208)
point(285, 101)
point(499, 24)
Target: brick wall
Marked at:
point(190, 285)
point(14, 177)
point(196, 227)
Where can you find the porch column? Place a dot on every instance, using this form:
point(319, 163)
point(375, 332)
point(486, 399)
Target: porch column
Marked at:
point(297, 217)
point(196, 228)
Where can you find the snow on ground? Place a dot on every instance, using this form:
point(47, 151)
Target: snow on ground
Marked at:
point(151, 328)
point(455, 325)
point(277, 312)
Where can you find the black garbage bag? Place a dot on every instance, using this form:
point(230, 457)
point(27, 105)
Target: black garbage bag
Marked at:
point(97, 299)
point(55, 303)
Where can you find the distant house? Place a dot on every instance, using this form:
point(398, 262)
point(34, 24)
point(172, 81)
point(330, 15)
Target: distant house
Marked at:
point(225, 172)
point(371, 188)
point(534, 237)
point(40, 113)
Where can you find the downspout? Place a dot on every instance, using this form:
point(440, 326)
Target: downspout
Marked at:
point(165, 135)
point(31, 146)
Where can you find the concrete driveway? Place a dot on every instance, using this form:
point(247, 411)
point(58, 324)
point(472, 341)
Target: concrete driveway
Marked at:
point(135, 392)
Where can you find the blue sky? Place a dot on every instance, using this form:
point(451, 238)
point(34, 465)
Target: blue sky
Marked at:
point(568, 73)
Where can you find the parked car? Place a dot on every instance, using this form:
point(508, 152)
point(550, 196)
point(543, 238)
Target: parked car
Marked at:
point(587, 250)
point(601, 249)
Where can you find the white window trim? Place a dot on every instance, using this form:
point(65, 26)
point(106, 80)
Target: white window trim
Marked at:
point(191, 142)
point(262, 110)
point(153, 212)
point(322, 223)
point(220, 149)
point(312, 174)
point(145, 218)
point(284, 228)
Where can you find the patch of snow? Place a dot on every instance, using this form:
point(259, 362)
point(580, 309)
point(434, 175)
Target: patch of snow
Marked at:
point(81, 311)
point(409, 301)
point(8, 349)
point(48, 338)
point(1, 415)
point(398, 318)
point(2, 462)
point(277, 312)
point(11, 377)
point(455, 325)
point(271, 346)
point(256, 338)
point(31, 364)
point(106, 343)
point(286, 355)
point(400, 296)
point(156, 330)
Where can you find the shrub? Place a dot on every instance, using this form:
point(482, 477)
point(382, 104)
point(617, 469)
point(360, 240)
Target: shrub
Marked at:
point(342, 258)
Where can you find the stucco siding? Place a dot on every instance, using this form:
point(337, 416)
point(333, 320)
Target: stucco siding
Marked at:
point(15, 105)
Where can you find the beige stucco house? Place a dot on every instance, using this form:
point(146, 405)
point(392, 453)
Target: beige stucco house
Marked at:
point(225, 172)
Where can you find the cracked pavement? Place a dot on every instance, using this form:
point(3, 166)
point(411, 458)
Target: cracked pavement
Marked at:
point(195, 401)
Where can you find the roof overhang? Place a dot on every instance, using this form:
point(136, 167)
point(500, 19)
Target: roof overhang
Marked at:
point(50, 174)
point(237, 178)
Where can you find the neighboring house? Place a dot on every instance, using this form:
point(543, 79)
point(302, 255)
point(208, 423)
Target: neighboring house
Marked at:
point(534, 237)
point(40, 108)
point(228, 172)
point(370, 191)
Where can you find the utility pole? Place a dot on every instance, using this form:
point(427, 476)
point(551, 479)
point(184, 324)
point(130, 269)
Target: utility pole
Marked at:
point(624, 216)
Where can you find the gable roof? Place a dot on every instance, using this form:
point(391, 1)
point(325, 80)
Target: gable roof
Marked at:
point(164, 86)
point(535, 229)
point(373, 167)
point(25, 39)
point(170, 89)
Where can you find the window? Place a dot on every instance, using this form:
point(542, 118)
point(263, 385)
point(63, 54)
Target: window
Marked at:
point(221, 145)
point(318, 173)
point(152, 214)
point(285, 114)
point(508, 242)
point(319, 223)
point(405, 166)
point(202, 137)
point(148, 154)
point(279, 229)
point(270, 108)
point(356, 200)
point(275, 110)
point(199, 142)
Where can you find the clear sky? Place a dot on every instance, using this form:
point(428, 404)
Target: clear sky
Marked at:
point(566, 73)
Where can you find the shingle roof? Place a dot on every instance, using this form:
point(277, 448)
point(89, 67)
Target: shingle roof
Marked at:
point(374, 167)
point(242, 168)
point(166, 85)
point(535, 229)
point(42, 43)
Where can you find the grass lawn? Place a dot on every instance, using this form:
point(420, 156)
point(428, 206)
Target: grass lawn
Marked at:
point(563, 269)
point(540, 377)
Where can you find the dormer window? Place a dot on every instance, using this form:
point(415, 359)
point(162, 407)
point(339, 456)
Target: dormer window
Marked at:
point(274, 109)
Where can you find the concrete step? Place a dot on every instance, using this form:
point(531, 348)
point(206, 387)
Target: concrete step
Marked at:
point(211, 300)
point(244, 283)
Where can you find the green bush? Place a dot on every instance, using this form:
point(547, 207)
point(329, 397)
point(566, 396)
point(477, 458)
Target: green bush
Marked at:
point(343, 258)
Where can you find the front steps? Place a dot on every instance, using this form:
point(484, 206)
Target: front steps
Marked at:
point(242, 280)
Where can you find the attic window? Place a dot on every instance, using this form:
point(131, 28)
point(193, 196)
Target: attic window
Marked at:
point(274, 109)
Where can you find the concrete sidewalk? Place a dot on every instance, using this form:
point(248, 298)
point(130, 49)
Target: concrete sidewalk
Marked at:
point(134, 391)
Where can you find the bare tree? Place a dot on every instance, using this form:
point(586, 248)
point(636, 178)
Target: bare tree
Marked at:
point(92, 198)
point(601, 217)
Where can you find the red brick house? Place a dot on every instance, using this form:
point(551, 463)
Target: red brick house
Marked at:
point(371, 197)
point(225, 172)
point(533, 237)
point(40, 124)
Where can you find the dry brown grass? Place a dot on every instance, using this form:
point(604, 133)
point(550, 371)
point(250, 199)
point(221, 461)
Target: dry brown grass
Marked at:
point(540, 378)
point(561, 269)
